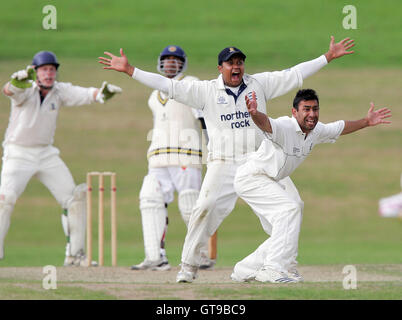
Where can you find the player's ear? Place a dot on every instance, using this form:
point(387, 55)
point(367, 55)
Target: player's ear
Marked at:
point(220, 68)
point(294, 112)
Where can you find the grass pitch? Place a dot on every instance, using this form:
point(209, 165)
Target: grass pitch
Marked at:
point(340, 184)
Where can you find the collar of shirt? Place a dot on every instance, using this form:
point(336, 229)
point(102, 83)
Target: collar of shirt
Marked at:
point(179, 76)
point(297, 126)
point(221, 84)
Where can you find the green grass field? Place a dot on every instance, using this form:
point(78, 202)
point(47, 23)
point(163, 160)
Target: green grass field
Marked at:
point(340, 184)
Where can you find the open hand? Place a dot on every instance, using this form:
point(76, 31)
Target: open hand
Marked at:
point(375, 117)
point(337, 50)
point(117, 63)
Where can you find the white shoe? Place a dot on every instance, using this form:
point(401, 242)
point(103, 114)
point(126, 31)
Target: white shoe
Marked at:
point(237, 278)
point(79, 260)
point(159, 265)
point(295, 275)
point(269, 275)
point(187, 273)
point(206, 263)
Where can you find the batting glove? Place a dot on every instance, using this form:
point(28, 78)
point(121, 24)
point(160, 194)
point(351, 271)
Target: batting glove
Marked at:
point(107, 91)
point(24, 78)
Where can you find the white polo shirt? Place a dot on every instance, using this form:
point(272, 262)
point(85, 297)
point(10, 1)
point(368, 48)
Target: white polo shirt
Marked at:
point(287, 147)
point(232, 133)
point(33, 123)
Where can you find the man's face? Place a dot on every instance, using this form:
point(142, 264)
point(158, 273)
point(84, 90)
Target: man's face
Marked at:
point(307, 115)
point(172, 66)
point(46, 75)
point(232, 71)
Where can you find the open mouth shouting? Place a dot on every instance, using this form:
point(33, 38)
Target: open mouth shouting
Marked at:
point(236, 77)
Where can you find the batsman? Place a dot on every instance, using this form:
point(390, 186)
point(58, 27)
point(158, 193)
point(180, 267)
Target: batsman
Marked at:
point(28, 150)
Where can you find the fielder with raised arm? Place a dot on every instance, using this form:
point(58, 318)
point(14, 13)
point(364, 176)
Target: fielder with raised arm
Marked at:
point(232, 134)
point(264, 183)
point(28, 150)
point(174, 161)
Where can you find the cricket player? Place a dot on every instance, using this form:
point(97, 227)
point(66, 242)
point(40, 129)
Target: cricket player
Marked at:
point(174, 161)
point(232, 134)
point(263, 181)
point(28, 150)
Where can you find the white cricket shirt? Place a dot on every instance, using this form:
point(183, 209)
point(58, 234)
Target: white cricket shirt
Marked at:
point(287, 147)
point(33, 124)
point(232, 133)
point(176, 134)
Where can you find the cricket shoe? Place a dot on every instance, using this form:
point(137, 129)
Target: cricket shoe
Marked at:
point(187, 273)
point(79, 260)
point(269, 275)
point(206, 263)
point(295, 275)
point(237, 278)
point(159, 265)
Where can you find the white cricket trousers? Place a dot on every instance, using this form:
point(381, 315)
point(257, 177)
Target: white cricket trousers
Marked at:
point(279, 207)
point(216, 201)
point(177, 179)
point(20, 164)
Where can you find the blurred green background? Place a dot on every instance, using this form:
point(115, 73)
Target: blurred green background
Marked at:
point(340, 184)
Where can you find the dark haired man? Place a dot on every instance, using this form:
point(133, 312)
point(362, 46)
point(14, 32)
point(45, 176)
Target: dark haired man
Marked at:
point(264, 183)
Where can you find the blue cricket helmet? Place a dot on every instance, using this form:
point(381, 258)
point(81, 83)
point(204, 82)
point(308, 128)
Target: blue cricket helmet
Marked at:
point(175, 51)
point(45, 57)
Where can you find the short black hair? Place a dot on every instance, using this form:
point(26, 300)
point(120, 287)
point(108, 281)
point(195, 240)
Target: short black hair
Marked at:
point(304, 95)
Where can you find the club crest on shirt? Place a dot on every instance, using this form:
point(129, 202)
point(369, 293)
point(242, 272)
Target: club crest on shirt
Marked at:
point(53, 106)
point(296, 150)
point(221, 100)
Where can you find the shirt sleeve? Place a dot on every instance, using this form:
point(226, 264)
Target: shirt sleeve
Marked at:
point(153, 80)
point(308, 68)
point(330, 132)
point(19, 95)
point(191, 93)
point(75, 95)
point(278, 83)
point(197, 113)
point(278, 131)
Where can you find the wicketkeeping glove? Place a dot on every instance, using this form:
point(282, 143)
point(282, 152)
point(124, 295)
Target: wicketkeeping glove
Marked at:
point(107, 91)
point(22, 79)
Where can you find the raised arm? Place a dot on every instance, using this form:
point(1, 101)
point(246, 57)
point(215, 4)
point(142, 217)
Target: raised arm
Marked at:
point(373, 118)
point(336, 50)
point(121, 64)
point(259, 118)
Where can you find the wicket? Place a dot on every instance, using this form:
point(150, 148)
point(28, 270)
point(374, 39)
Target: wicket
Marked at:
point(101, 176)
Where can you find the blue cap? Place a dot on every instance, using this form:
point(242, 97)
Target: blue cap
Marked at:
point(228, 52)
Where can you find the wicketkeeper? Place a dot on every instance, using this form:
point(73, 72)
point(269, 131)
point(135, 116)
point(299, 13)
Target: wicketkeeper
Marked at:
point(28, 150)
